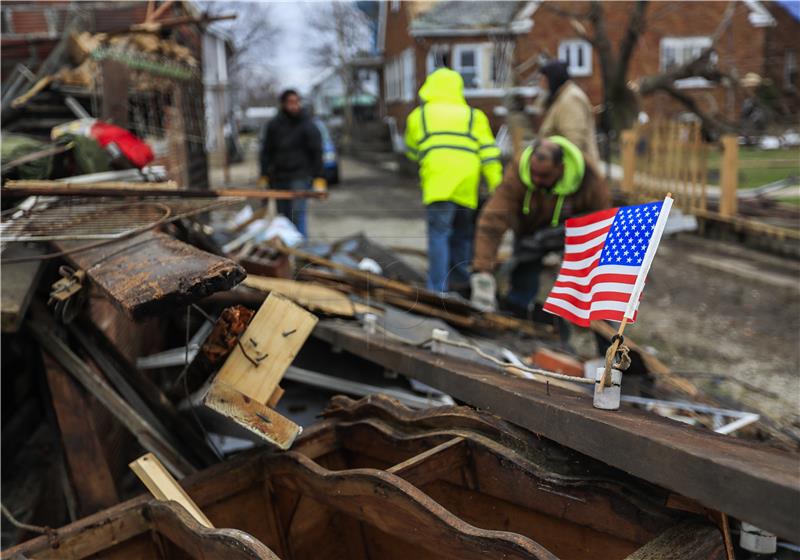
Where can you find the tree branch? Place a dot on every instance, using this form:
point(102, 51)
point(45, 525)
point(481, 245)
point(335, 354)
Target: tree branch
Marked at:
point(636, 27)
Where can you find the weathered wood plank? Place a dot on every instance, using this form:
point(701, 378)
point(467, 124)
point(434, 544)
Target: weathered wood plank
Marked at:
point(747, 480)
point(46, 335)
point(87, 462)
point(692, 540)
point(163, 487)
point(272, 340)
point(19, 282)
point(310, 295)
point(153, 271)
point(252, 415)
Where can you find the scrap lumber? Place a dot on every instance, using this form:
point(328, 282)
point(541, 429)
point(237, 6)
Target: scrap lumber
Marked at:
point(88, 467)
point(311, 296)
point(153, 271)
point(29, 187)
point(45, 332)
point(747, 480)
point(247, 380)
point(460, 313)
point(691, 540)
point(161, 485)
point(144, 396)
point(19, 282)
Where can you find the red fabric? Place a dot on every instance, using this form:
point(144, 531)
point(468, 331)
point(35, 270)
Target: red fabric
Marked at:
point(132, 147)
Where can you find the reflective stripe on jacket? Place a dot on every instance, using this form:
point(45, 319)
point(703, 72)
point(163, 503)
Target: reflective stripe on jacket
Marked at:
point(452, 142)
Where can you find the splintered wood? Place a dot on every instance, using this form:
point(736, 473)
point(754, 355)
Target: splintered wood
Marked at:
point(244, 386)
point(163, 487)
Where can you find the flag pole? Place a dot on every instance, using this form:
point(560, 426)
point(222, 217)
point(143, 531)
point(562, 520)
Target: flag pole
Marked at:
point(633, 302)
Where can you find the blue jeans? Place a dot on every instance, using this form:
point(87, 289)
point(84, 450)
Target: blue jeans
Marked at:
point(295, 210)
point(451, 229)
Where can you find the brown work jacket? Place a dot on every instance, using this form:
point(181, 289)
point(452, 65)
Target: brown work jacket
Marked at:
point(504, 211)
point(571, 116)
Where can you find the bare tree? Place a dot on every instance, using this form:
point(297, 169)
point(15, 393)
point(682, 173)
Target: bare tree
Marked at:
point(255, 39)
point(339, 32)
point(620, 96)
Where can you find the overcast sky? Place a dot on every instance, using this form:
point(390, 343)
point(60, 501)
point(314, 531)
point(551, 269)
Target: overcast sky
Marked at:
point(291, 66)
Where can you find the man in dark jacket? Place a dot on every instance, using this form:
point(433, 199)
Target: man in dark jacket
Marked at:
point(291, 156)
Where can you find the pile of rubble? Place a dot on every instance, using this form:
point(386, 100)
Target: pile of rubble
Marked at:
point(171, 332)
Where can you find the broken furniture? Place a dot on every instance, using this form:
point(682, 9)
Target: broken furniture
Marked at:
point(376, 480)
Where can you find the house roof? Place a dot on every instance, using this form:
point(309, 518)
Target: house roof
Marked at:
point(459, 17)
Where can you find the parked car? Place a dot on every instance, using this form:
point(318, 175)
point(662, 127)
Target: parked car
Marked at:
point(330, 159)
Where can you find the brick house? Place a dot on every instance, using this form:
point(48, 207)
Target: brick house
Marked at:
point(488, 41)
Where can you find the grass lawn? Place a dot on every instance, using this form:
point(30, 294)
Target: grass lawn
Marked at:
point(758, 167)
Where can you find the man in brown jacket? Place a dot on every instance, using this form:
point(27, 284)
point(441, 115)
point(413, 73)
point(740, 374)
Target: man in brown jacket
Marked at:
point(568, 112)
point(551, 181)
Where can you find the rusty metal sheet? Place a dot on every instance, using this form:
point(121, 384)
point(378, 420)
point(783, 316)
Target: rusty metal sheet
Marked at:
point(153, 271)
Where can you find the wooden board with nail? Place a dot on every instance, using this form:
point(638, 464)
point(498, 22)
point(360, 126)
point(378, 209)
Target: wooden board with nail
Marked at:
point(247, 381)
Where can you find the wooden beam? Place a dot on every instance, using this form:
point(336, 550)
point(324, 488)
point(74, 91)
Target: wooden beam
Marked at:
point(114, 104)
point(89, 470)
point(144, 395)
point(250, 375)
point(161, 485)
point(43, 329)
point(153, 271)
point(750, 481)
point(310, 295)
point(429, 465)
point(28, 187)
point(691, 540)
point(459, 312)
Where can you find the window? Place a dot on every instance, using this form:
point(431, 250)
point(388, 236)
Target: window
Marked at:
point(790, 69)
point(392, 79)
point(400, 77)
point(395, 5)
point(676, 51)
point(409, 75)
point(438, 57)
point(577, 53)
point(467, 63)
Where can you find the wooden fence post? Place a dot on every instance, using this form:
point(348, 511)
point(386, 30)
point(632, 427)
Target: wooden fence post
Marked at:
point(629, 138)
point(729, 176)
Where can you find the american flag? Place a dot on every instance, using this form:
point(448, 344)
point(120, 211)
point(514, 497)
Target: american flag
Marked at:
point(606, 257)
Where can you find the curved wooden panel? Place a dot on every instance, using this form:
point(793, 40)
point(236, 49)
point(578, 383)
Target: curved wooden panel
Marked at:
point(138, 529)
point(170, 520)
point(394, 506)
point(552, 462)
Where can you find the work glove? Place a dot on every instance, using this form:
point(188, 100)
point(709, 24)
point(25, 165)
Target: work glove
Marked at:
point(263, 182)
point(319, 185)
point(483, 291)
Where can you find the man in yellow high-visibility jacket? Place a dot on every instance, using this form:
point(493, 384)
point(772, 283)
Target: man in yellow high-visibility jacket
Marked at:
point(453, 143)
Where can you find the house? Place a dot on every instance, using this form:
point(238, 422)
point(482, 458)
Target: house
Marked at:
point(327, 96)
point(497, 46)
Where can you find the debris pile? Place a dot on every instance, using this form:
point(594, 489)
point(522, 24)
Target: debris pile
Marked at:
point(155, 347)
